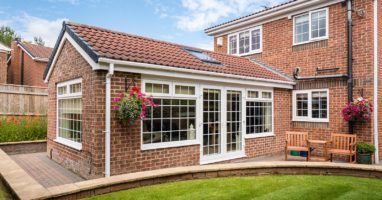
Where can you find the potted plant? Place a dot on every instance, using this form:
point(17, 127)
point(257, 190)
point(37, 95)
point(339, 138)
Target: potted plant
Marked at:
point(132, 106)
point(359, 109)
point(364, 153)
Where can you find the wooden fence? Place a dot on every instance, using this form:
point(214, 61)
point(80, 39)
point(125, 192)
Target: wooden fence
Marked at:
point(23, 100)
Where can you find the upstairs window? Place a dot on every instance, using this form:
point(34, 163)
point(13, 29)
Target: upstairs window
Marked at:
point(310, 26)
point(245, 42)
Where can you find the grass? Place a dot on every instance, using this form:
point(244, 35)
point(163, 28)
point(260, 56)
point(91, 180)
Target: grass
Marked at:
point(262, 187)
point(4, 195)
point(22, 128)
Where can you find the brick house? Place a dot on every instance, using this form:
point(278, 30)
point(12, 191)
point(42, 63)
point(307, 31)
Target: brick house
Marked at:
point(281, 69)
point(4, 57)
point(27, 64)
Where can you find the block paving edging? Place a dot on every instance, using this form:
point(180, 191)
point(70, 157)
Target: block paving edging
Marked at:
point(25, 187)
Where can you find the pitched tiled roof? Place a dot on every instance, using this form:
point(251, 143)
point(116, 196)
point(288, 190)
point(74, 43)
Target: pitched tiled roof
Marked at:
point(37, 51)
point(255, 13)
point(104, 43)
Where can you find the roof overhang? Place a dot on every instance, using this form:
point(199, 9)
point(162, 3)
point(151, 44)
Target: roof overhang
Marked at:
point(289, 9)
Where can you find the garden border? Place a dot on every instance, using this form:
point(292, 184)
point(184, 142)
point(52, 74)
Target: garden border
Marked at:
point(25, 187)
point(12, 148)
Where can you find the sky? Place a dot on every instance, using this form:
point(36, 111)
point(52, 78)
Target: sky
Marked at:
point(178, 21)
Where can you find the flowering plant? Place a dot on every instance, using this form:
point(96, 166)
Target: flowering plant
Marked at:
point(359, 109)
point(132, 106)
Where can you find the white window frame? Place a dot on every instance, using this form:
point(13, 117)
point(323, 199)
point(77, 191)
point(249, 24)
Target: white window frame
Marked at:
point(310, 27)
point(259, 99)
point(250, 41)
point(171, 95)
point(309, 117)
point(68, 95)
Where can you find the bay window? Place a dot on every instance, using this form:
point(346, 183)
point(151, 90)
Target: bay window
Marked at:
point(69, 113)
point(311, 105)
point(259, 113)
point(310, 26)
point(245, 42)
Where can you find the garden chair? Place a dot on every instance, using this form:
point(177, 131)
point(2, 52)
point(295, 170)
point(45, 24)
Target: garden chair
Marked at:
point(343, 144)
point(297, 141)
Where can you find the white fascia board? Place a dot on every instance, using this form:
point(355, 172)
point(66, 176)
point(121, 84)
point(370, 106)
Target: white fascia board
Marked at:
point(271, 15)
point(160, 70)
point(67, 37)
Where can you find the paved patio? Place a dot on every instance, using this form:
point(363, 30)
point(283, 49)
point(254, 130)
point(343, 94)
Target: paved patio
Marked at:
point(45, 171)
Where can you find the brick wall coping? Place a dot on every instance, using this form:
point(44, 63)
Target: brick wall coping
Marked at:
point(22, 142)
point(26, 187)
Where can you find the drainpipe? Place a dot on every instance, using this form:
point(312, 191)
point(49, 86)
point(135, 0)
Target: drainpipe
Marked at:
point(350, 57)
point(107, 119)
point(375, 121)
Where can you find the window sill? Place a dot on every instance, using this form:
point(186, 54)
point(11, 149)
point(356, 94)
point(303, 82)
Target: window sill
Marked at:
point(168, 145)
point(311, 120)
point(259, 135)
point(310, 41)
point(71, 144)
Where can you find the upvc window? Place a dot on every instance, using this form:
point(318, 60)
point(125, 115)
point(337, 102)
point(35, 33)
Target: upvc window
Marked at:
point(245, 42)
point(69, 113)
point(173, 123)
point(311, 105)
point(310, 26)
point(259, 113)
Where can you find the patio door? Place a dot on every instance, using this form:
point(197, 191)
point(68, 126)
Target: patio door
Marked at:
point(222, 137)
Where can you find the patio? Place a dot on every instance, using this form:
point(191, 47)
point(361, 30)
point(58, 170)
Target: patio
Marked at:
point(45, 171)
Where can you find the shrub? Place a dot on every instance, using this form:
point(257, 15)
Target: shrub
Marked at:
point(365, 148)
point(22, 128)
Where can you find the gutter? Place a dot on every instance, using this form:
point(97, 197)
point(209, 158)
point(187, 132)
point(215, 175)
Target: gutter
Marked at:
point(375, 120)
point(191, 71)
point(107, 119)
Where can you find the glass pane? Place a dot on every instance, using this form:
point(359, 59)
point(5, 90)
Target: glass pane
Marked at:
point(253, 94)
point(259, 117)
point(62, 90)
point(256, 37)
point(301, 28)
point(234, 133)
point(266, 95)
point(70, 119)
point(319, 104)
point(75, 88)
point(211, 125)
point(244, 42)
point(233, 44)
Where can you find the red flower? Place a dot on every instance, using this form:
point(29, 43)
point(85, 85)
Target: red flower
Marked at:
point(135, 89)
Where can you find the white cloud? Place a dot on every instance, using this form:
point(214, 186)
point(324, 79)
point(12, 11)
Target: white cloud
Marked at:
point(159, 8)
point(203, 13)
point(28, 27)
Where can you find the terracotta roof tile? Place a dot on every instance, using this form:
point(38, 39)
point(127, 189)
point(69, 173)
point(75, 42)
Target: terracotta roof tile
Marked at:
point(127, 47)
point(37, 50)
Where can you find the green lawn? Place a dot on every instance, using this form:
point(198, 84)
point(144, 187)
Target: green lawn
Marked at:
point(4, 195)
point(262, 187)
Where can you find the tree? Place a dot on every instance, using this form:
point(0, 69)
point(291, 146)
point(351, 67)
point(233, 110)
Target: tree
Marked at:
point(39, 41)
point(7, 34)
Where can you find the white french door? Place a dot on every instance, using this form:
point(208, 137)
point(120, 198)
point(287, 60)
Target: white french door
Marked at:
point(221, 124)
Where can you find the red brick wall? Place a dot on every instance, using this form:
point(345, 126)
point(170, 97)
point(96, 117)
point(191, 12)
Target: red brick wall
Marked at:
point(3, 67)
point(70, 65)
point(33, 70)
point(278, 51)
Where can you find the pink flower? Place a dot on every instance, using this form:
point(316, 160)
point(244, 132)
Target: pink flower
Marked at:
point(115, 108)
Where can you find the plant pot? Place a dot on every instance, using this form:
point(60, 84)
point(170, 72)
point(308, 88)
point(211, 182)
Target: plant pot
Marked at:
point(294, 153)
point(364, 158)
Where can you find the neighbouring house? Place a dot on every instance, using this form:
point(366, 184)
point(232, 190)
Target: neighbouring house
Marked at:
point(27, 63)
point(4, 56)
point(291, 67)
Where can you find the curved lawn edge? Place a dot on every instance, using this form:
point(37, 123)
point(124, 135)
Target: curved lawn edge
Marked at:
point(139, 179)
point(308, 187)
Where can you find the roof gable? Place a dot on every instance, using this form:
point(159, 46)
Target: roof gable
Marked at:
point(36, 52)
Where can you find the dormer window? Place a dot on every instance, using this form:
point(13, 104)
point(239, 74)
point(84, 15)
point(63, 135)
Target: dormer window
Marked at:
point(310, 26)
point(245, 42)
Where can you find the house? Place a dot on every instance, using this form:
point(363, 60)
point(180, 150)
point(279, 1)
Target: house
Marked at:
point(4, 56)
point(27, 63)
point(286, 68)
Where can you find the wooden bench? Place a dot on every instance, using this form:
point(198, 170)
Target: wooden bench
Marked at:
point(343, 144)
point(297, 141)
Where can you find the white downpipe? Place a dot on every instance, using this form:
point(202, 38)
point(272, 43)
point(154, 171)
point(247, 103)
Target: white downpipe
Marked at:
point(107, 119)
point(376, 154)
